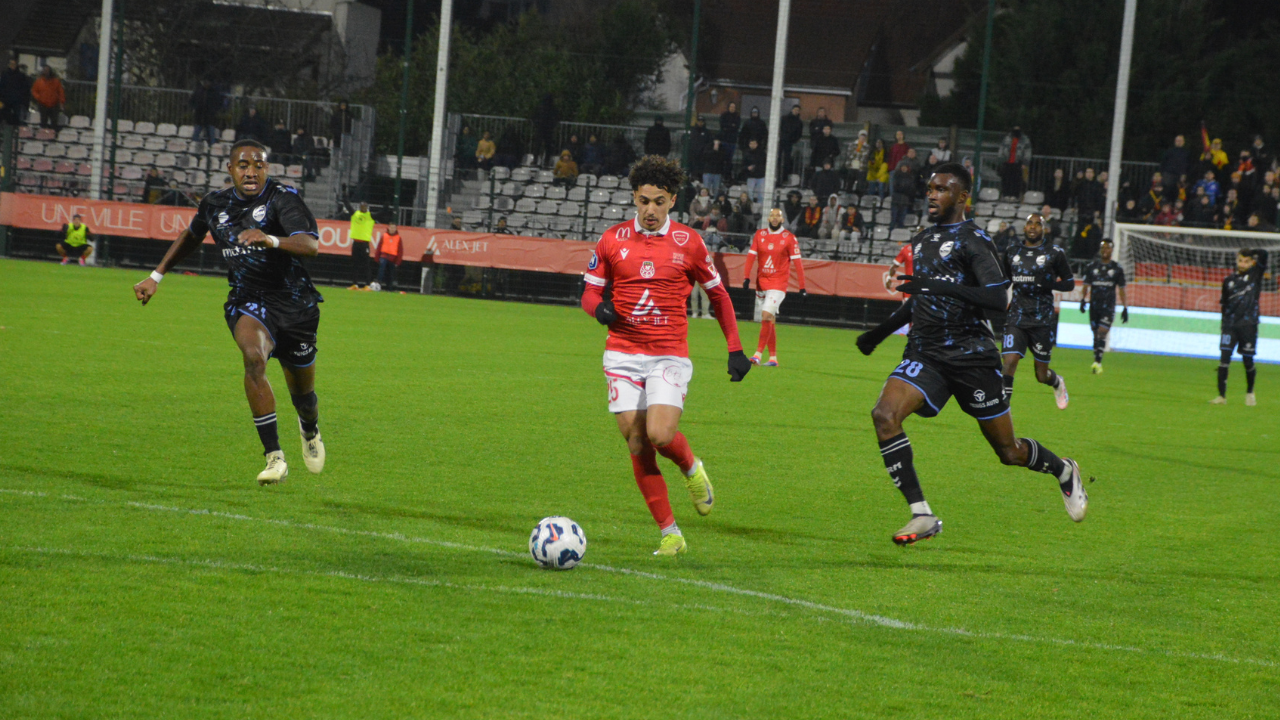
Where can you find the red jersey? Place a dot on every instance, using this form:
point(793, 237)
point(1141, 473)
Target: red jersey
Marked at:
point(775, 251)
point(652, 276)
point(905, 258)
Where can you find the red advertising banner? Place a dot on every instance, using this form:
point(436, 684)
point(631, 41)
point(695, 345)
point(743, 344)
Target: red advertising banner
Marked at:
point(450, 247)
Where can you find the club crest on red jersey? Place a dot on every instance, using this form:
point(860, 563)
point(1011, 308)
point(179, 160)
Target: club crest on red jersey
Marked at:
point(681, 237)
point(647, 269)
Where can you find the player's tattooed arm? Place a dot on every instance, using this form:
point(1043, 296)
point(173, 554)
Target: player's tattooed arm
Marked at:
point(304, 244)
point(186, 244)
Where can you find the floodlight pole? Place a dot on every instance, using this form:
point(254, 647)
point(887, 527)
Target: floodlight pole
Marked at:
point(693, 84)
point(982, 97)
point(435, 173)
point(1122, 107)
point(405, 57)
point(100, 102)
point(775, 110)
point(117, 79)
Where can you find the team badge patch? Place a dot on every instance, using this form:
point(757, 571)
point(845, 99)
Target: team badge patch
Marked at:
point(647, 270)
point(222, 218)
point(770, 246)
point(1111, 272)
point(260, 213)
point(944, 250)
point(681, 237)
point(1040, 261)
point(595, 262)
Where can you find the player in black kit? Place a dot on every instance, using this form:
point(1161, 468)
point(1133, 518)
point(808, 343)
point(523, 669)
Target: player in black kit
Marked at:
point(1240, 293)
point(1102, 280)
point(1036, 269)
point(262, 228)
point(951, 350)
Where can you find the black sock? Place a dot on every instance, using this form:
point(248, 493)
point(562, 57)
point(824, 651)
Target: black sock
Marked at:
point(1224, 367)
point(266, 425)
point(1052, 379)
point(308, 414)
point(1008, 387)
point(1098, 346)
point(1042, 459)
point(898, 460)
point(1250, 373)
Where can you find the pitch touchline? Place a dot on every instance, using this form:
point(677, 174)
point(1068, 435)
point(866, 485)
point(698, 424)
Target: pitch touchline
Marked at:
point(858, 615)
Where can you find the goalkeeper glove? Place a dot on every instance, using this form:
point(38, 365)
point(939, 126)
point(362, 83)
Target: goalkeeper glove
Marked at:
point(739, 366)
point(605, 313)
point(1124, 316)
point(1084, 305)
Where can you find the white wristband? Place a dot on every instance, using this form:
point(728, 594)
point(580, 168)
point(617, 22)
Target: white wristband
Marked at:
point(157, 276)
point(275, 241)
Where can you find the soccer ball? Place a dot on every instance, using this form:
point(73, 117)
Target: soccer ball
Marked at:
point(557, 543)
point(375, 287)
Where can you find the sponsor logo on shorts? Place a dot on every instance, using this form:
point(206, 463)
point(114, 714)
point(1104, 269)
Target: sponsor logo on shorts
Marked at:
point(647, 270)
point(979, 395)
point(673, 375)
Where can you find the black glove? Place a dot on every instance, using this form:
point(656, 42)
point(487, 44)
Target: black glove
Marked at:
point(746, 284)
point(868, 341)
point(919, 286)
point(1124, 316)
point(804, 293)
point(1084, 305)
point(605, 313)
point(739, 366)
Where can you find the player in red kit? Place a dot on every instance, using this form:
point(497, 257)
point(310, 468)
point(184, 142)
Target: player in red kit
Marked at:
point(775, 247)
point(650, 265)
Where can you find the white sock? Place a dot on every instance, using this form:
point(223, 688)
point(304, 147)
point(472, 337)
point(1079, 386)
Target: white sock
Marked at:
point(1066, 473)
point(672, 529)
point(694, 469)
point(921, 508)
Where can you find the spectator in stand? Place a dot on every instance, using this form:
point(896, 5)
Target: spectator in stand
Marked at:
point(700, 208)
point(152, 186)
point(1175, 161)
point(619, 156)
point(545, 120)
point(657, 139)
point(464, 153)
point(878, 171)
point(1255, 223)
point(361, 234)
point(789, 133)
point(566, 170)
point(857, 156)
point(574, 146)
point(923, 173)
point(1229, 221)
point(206, 104)
point(76, 242)
point(1128, 212)
point(304, 148)
point(1212, 156)
point(509, 148)
point(726, 207)
point(851, 224)
point(712, 226)
point(826, 148)
point(898, 150)
point(1090, 196)
point(50, 97)
point(1015, 162)
point(1203, 212)
point(831, 212)
point(501, 228)
point(817, 124)
point(699, 140)
point(388, 253)
point(1005, 237)
point(754, 129)
point(730, 126)
point(810, 219)
point(173, 196)
point(1269, 205)
point(1167, 215)
point(340, 123)
point(1261, 155)
point(1052, 227)
point(904, 194)
point(485, 151)
point(1230, 204)
point(1244, 194)
point(748, 207)
point(1086, 242)
point(825, 181)
point(714, 162)
point(251, 126)
point(592, 156)
point(1150, 203)
point(15, 94)
point(1210, 187)
point(741, 225)
point(281, 142)
point(792, 209)
point(753, 164)
point(942, 151)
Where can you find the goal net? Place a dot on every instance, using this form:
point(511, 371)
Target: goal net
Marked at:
point(1183, 268)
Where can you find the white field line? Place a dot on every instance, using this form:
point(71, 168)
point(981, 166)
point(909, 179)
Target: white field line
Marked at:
point(851, 614)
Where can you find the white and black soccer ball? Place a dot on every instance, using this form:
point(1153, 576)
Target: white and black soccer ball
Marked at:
point(558, 543)
point(375, 287)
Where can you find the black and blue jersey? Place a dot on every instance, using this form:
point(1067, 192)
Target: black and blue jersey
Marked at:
point(1103, 278)
point(1240, 294)
point(948, 329)
point(1033, 270)
point(256, 273)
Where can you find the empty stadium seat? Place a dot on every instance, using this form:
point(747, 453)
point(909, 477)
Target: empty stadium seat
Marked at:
point(546, 176)
point(187, 132)
point(472, 217)
point(569, 208)
point(84, 169)
point(26, 132)
point(144, 157)
point(884, 217)
point(166, 160)
point(1033, 197)
point(65, 167)
point(526, 205)
point(275, 169)
point(985, 209)
point(868, 201)
point(622, 197)
point(600, 196)
point(534, 190)
point(993, 226)
point(42, 165)
point(166, 129)
point(32, 147)
point(504, 204)
point(512, 189)
point(608, 181)
point(1006, 210)
point(989, 194)
point(69, 136)
point(144, 128)
point(521, 175)
point(900, 235)
point(55, 150)
point(911, 220)
point(23, 163)
point(46, 134)
point(131, 141)
point(548, 207)
point(516, 221)
point(588, 180)
point(556, 192)
point(123, 126)
point(80, 121)
point(577, 194)
point(482, 203)
point(177, 145)
point(501, 172)
point(228, 135)
point(77, 152)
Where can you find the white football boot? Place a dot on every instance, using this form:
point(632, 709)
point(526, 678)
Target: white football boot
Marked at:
point(312, 451)
point(1060, 393)
point(276, 471)
point(1076, 499)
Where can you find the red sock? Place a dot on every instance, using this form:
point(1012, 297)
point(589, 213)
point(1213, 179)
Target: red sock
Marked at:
point(679, 452)
point(765, 328)
point(652, 486)
point(773, 340)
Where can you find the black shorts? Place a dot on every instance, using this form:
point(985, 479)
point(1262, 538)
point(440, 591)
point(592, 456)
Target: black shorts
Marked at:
point(1101, 319)
point(979, 390)
point(1039, 339)
point(1243, 336)
point(292, 327)
point(70, 249)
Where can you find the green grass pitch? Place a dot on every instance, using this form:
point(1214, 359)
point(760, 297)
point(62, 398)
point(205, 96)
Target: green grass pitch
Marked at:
point(144, 574)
